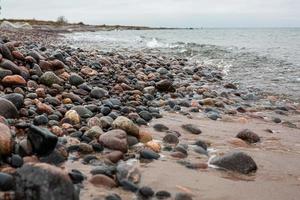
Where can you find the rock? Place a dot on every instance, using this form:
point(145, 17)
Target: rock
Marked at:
point(115, 139)
point(82, 111)
point(150, 90)
point(170, 139)
point(9, 65)
point(128, 171)
point(73, 116)
point(248, 136)
point(6, 142)
point(131, 140)
point(162, 195)
point(4, 72)
point(127, 125)
point(129, 186)
point(149, 154)
point(145, 136)
point(113, 197)
point(160, 127)
point(16, 161)
point(106, 122)
point(94, 132)
point(88, 71)
point(165, 86)
point(114, 156)
point(16, 99)
point(191, 128)
point(104, 169)
point(153, 146)
point(49, 78)
point(146, 115)
point(8, 109)
point(276, 120)
point(76, 176)
point(50, 181)
point(6, 53)
point(40, 120)
point(13, 80)
point(200, 150)
point(101, 180)
point(202, 144)
point(235, 161)
point(98, 93)
point(42, 140)
point(146, 192)
point(183, 196)
point(6, 182)
point(75, 79)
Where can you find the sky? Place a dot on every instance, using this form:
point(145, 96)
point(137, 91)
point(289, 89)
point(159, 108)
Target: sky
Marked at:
point(158, 13)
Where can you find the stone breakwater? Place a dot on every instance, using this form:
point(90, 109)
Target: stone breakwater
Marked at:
point(86, 124)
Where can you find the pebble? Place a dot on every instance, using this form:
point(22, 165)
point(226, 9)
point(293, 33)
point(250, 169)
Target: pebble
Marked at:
point(248, 136)
point(149, 154)
point(101, 180)
point(192, 129)
point(115, 139)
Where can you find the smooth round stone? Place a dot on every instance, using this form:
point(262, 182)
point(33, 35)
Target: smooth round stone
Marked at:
point(192, 129)
point(16, 161)
point(131, 140)
point(162, 195)
point(75, 79)
point(146, 115)
point(277, 120)
point(146, 192)
point(149, 154)
point(8, 109)
point(104, 169)
point(16, 99)
point(98, 93)
point(100, 180)
point(171, 139)
point(128, 185)
point(160, 127)
point(141, 121)
point(248, 136)
point(183, 196)
point(105, 110)
point(202, 144)
point(40, 120)
point(6, 182)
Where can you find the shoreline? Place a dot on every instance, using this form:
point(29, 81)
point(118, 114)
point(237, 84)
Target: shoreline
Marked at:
point(104, 111)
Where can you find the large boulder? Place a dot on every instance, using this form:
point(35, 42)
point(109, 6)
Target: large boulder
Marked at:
point(235, 161)
point(42, 181)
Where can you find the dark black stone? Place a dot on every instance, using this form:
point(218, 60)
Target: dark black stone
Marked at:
point(192, 129)
point(162, 194)
point(128, 185)
point(108, 170)
point(105, 110)
point(16, 161)
point(76, 176)
point(146, 192)
point(149, 154)
point(42, 140)
point(202, 144)
point(16, 98)
point(6, 182)
point(160, 127)
point(113, 197)
point(40, 120)
point(146, 115)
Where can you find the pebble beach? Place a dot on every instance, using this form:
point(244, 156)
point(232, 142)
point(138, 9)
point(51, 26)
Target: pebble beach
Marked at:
point(80, 123)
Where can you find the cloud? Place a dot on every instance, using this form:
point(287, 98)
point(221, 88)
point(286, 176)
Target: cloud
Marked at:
point(161, 12)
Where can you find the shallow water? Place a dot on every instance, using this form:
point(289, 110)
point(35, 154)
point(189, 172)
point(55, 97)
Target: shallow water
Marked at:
point(265, 60)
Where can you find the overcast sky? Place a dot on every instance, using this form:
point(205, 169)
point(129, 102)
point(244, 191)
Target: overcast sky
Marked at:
point(172, 13)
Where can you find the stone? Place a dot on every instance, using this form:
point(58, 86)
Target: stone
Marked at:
point(129, 186)
point(101, 180)
point(160, 127)
point(145, 136)
point(75, 79)
point(162, 194)
point(165, 86)
point(6, 53)
point(235, 161)
point(153, 146)
point(50, 181)
point(82, 111)
point(4, 72)
point(8, 109)
point(171, 139)
point(94, 132)
point(127, 125)
point(16, 161)
point(115, 139)
point(146, 115)
point(128, 171)
point(248, 136)
point(13, 80)
point(191, 128)
point(114, 156)
point(6, 182)
point(146, 192)
point(113, 197)
point(73, 116)
point(149, 154)
point(42, 140)
point(40, 120)
point(106, 122)
point(108, 170)
point(98, 93)
point(76, 176)
point(16, 99)
point(9, 65)
point(49, 78)
point(6, 142)
point(202, 144)
point(88, 71)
